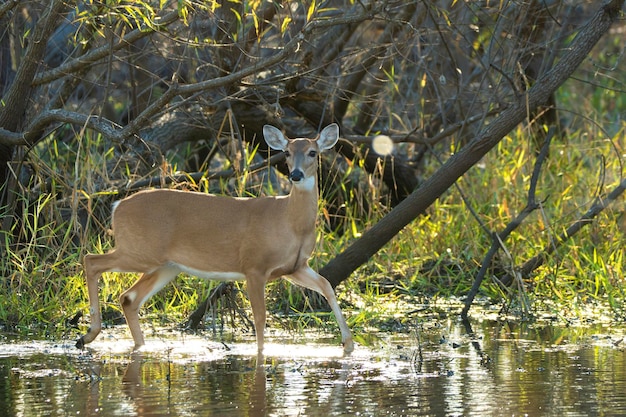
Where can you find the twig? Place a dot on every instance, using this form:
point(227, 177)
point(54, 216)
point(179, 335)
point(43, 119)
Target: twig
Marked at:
point(415, 204)
point(499, 238)
point(194, 318)
point(558, 241)
point(95, 55)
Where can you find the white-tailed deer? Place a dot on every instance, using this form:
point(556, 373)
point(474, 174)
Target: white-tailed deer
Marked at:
point(162, 233)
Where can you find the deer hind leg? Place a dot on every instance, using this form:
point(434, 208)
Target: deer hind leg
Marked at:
point(308, 278)
point(94, 266)
point(132, 299)
point(256, 295)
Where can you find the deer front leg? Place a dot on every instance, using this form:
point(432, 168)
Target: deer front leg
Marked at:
point(308, 278)
point(256, 295)
point(132, 299)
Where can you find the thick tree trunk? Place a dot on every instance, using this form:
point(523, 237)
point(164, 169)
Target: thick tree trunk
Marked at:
point(15, 100)
point(416, 204)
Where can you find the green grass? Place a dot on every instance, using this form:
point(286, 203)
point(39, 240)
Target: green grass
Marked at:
point(434, 260)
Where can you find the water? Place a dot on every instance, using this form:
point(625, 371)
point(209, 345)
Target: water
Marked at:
point(440, 368)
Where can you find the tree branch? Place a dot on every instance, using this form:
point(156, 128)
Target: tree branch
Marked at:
point(499, 238)
point(555, 243)
point(458, 164)
point(7, 6)
point(102, 52)
point(14, 101)
point(49, 117)
point(144, 119)
point(186, 90)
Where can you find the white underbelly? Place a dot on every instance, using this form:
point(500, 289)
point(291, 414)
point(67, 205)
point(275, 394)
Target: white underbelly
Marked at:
point(212, 275)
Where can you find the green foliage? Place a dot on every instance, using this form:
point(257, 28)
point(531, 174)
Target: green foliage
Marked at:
point(435, 258)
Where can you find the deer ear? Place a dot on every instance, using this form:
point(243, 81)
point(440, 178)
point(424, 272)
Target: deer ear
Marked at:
point(328, 137)
point(274, 138)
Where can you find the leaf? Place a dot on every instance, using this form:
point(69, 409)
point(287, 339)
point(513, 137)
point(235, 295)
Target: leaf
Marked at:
point(283, 27)
point(255, 20)
point(182, 11)
point(311, 10)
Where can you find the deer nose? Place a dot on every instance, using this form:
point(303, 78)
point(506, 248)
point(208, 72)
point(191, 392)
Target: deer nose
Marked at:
point(296, 175)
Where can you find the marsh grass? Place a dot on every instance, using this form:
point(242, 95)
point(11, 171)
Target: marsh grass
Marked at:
point(433, 260)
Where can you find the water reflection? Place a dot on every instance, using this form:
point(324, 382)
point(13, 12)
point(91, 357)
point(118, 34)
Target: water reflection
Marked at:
point(149, 392)
point(442, 368)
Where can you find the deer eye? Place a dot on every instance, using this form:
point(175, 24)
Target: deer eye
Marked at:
point(287, 153)
point(312, 154)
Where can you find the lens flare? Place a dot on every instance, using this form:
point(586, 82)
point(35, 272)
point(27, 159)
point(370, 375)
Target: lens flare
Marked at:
point(382, 145)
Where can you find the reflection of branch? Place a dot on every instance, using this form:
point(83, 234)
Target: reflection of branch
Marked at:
point(499, 238)
point(484, 357)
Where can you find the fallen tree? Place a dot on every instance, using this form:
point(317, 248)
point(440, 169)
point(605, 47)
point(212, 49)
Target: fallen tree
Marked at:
point(415, 204)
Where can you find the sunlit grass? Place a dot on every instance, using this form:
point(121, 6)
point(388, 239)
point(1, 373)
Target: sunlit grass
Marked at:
point(434, 259)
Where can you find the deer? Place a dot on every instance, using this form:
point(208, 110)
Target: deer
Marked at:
point(161, 233)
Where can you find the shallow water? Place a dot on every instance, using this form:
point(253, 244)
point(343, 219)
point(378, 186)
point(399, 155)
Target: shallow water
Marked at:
point(441, 369)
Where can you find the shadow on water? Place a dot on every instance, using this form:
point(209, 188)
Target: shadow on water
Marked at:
point(441, 368)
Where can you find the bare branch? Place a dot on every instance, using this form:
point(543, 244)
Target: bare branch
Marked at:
point(458, 164)
point(558, 241)
point(12, 138)
point(499, 238)
point(175, 89)
point(102, 52)
point(186, 90)
point(7, 6)
point(49, 117)
point(13, 101)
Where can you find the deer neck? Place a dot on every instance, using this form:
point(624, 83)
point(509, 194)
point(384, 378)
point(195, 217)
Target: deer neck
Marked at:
point(302, 206)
